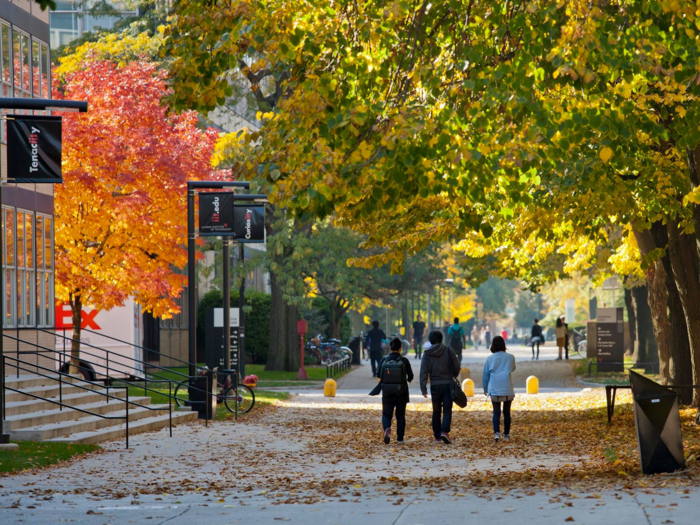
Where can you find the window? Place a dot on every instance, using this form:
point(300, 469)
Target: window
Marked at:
point(5, 70)
point(28, 269)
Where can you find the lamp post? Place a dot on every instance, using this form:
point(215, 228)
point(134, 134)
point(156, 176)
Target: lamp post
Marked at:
point(33, 104)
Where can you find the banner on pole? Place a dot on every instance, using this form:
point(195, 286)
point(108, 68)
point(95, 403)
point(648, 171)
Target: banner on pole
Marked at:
point(249, 223)
point(216, 214)
point(34, 149)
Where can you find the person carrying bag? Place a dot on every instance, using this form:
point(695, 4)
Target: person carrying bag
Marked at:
point(440, 367)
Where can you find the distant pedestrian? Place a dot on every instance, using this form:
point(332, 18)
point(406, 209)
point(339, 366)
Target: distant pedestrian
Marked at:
point(560, 334)
point(418, 332)
point(456, 338)
point(487, 336)
point(566, 336)
point(475, 337)
point(498, 384)
point(504, 334)
point(375, 337)
point(439, 367)
point(395, 373)
point(536, 338)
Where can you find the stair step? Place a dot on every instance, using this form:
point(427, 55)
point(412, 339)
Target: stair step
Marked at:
point(29, 380)
point(82, 423)
point(75, 399)
point(55, 414)
point(118, 431)
point(50, 391)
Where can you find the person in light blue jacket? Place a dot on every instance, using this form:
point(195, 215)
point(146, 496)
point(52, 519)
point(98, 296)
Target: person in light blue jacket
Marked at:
point(498, 384)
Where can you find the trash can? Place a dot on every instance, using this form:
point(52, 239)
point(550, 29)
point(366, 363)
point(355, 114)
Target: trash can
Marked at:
point(658, 424)
point(355, 346)
point(203, 394)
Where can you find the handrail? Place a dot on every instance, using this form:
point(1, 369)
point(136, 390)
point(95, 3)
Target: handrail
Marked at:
point(337, 366)
point(126, 343)
point(17, 361)
point(172, 397)
point(107, 367)
point(140, 361)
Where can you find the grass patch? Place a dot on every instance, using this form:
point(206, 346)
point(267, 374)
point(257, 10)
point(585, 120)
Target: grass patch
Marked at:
point(315, 373)
point(262, 398)
point(40, 454)
point(580, 368)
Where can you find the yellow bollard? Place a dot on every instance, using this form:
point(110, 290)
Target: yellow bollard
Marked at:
point(533, 385)
point(468, 387)
point(464, 373)
point(329, 388)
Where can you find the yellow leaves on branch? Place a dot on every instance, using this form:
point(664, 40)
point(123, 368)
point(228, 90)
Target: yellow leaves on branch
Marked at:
point(606, 154)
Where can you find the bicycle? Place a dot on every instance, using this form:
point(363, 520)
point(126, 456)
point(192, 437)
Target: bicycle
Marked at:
point(230, 393)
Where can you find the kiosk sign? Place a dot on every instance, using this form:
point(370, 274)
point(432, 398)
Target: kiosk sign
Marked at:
point(610, 339)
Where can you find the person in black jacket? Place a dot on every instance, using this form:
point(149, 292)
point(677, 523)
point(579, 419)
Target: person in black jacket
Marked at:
point(536, 338)
point(374, 341)
point(392, 402)
point(440, 366)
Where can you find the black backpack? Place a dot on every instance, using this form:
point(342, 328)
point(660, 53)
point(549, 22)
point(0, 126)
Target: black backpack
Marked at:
point(456, 338)
point(393, 377)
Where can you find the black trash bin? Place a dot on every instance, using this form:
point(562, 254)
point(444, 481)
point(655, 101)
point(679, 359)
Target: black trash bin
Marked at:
point(658, 425)
point(203, 394)
point(355, 346)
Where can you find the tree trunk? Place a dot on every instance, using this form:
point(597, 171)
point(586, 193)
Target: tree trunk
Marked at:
point(685, 266)
point(283, 354)
point(337, 314)
point(668, 320)
point(632, 318)
point(646, 350)
point(76, 307)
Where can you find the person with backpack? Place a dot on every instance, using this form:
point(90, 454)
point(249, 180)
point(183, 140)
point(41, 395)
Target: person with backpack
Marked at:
point(498, 384)
point(374, 341)
point(457, 339)
point(439, 367)
point(395, 373)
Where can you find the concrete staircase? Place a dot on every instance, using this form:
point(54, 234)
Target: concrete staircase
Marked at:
point(31, 419)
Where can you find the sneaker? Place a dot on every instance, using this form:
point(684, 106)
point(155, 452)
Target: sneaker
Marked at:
point(399, 442)
point(445, 437)
point(436, 441)
point(496, 437)
point(387, 436)
point(506, 437)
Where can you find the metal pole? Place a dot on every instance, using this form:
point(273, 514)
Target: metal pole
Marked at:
point(4, 438)
point(241, 315)
point(227, 304)
point(191, 283)
point(428, 308)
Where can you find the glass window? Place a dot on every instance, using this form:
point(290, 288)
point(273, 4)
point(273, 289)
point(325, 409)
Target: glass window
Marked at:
point(20, 239)
point(40, 242)
point(26, 64)
point(29, 234)
point(6, 52)
point(17, 58)
point(45, 71)
point(36, 69)
point(10, 236)
point(48, 243)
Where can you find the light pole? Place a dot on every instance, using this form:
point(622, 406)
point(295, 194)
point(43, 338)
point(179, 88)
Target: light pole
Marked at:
point(34, 104)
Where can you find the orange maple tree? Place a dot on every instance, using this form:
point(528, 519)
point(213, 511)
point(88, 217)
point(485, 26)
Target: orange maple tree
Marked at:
point(121, 225)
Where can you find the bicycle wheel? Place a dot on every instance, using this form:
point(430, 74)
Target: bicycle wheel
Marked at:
point(243, 396)
point(181, 394)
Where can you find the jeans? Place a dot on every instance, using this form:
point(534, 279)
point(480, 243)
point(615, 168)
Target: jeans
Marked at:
point(538, 349)
point(441, 396)
point(418, 345)
point(497, 416)
point(389, 404)
point(374, 358)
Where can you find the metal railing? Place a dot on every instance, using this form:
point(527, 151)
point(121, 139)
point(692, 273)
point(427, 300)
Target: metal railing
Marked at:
point(611, 392)
point(33, 370)
point(336, 367)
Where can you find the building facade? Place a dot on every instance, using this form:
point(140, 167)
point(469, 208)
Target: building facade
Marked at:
point(27, 209)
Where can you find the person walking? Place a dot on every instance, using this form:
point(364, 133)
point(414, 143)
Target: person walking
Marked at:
point(536, 338)
point(475, 337)
point(487, 336)
point(498, 384)
point(374, 341)
point(560, 334)
point(395, 373)
point(566, 336)
point(439, 367)
point(418, 331)
point(504, 333)
point(457, 339)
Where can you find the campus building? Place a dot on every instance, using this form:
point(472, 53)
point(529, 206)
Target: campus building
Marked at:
point(27, 209)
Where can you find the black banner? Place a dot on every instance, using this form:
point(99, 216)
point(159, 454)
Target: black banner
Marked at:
point(249, 223)
point(216, 214)
point(34, 149)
